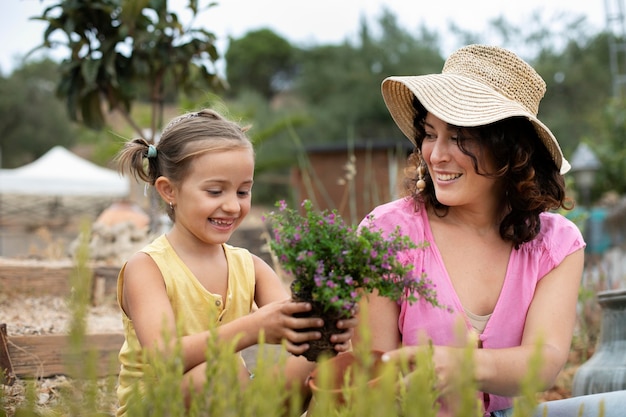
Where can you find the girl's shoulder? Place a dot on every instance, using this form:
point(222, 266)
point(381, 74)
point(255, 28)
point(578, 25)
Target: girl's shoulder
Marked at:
point(238, 257)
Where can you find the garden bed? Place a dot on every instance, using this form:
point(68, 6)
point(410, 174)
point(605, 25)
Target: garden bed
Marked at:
point(29, 308)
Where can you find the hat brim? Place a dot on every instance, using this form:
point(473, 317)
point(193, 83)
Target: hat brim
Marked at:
point(459, 101)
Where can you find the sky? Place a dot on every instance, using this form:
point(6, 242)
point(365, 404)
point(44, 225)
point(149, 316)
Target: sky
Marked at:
point(309, 22)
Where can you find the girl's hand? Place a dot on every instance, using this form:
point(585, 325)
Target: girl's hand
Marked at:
point(278, 323)
point(342, 340)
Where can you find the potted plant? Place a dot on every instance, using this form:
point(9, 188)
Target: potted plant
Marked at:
point(333, 264)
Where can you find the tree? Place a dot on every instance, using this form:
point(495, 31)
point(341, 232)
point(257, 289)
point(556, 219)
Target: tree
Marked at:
point(116, 46)
point(32, 118)
point(341, 83)
point(261, 61)
point(578, 88)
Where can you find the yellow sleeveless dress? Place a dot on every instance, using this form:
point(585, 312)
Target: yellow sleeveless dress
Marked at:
point(195, 308)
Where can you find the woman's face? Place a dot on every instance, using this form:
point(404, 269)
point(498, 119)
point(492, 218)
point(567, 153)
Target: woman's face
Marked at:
point(455, 180)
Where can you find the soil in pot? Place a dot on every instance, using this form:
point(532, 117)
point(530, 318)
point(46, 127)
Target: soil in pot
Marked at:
point(323, 345)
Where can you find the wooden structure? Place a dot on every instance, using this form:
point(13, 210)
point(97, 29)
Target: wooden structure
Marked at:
point(352, 179)
point(47, 355)
point(37, 356)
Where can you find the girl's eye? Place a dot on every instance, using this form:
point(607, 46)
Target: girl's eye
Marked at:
point(430, 136)
point(244, 193)
point(214, 192)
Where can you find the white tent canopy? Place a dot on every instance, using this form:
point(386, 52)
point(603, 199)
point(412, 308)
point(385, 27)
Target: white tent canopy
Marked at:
point(60, 172)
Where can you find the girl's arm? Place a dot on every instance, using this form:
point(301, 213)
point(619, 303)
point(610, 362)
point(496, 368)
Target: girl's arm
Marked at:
point(145, 302)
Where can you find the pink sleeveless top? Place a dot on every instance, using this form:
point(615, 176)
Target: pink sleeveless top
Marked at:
point(558, 238)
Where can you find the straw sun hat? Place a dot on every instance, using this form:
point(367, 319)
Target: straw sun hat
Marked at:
point(478, 85)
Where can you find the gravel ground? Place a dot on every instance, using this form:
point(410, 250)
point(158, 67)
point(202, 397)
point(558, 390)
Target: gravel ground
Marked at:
point(51, 315)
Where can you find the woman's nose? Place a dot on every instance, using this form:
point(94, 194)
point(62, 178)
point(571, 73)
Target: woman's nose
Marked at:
point(440, 150)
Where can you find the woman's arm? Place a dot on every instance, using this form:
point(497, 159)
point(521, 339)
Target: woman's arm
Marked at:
point(550, 321)
point(378, 318)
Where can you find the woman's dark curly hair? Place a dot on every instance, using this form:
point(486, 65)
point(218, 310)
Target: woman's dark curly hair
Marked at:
point(528, 176)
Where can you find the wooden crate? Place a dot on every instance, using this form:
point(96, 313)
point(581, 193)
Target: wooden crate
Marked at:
point(47, 355)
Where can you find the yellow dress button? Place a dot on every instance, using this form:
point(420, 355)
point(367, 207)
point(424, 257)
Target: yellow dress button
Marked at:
point(218, 302)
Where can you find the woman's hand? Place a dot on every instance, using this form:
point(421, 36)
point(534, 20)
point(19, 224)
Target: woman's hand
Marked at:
point(447, 362)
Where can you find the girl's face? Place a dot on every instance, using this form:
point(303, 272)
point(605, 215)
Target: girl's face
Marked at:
point(455, 181)
point(215, 197)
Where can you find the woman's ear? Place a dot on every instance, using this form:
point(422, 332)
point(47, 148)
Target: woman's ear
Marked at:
point(166, 190)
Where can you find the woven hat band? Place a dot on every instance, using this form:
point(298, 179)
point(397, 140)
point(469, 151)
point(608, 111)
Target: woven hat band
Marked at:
point(500, 69)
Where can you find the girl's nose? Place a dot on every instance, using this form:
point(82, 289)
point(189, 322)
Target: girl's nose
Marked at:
point(231, 203)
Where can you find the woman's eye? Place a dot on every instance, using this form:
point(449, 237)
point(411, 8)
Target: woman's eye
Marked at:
point(430, 136)
point(244, 193)
point(214, 192)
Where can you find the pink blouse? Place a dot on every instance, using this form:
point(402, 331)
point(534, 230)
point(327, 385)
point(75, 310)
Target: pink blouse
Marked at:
point(558, 238)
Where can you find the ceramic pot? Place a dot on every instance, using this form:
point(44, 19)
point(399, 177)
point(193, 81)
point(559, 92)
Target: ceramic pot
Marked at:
point(605, 371)
point(342, 368)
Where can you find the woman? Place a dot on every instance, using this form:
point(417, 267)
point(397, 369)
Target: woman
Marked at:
point(486, 177)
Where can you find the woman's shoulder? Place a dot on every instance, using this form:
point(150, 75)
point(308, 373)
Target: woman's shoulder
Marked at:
point(558, 236)
point(395, 210)
point(555, 224)
point(402, 213)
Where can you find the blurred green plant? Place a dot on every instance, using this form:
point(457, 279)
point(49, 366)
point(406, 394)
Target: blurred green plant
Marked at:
point(265, 394)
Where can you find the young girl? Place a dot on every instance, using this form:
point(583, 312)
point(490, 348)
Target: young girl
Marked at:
point(189, 277)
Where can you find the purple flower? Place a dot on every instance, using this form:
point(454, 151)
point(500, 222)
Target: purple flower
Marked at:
point(339, 262)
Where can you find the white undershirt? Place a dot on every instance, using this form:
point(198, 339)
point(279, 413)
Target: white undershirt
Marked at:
point(478, 322)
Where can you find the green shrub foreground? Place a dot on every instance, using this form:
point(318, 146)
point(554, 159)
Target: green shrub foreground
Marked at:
point(264, 395)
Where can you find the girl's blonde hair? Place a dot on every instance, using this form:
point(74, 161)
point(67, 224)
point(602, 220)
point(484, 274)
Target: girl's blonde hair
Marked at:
point(184, 138)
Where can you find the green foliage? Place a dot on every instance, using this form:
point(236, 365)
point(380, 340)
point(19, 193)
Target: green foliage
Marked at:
point(115, 46)
point(335, 263)
point(32, 119)
point(393, 395)
point(130, 51)
point(341, 83)
point(526, 403)
point(578, 87)
point(609, 144)
point(262, 61)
